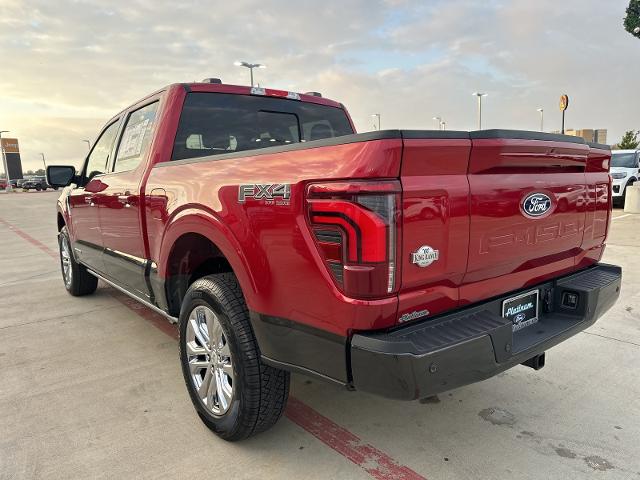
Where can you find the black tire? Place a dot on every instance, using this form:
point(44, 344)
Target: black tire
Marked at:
point(260, 392)
point(81, 281)
point(38, 188)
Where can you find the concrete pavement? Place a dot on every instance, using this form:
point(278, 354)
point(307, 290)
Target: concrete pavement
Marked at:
point(90, 388)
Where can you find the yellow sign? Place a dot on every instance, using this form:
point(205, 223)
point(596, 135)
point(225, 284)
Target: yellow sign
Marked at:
point(564, 102)
point(10, 145)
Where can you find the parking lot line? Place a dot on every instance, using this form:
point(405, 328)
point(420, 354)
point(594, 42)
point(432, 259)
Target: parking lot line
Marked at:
point(620, 216)
point(29, 238)
point(375, 462)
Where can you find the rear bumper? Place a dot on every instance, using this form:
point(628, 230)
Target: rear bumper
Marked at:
point(476, 343)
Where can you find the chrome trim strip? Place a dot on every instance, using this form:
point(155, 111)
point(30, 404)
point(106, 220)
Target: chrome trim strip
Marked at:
point(140, 262)
point(135, 297)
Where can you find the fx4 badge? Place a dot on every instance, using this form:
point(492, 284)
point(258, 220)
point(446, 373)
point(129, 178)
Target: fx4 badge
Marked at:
point(424, 256)
point(270, 193)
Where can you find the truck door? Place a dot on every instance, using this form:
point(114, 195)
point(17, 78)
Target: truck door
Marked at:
point(83, 201)
point(125, 255)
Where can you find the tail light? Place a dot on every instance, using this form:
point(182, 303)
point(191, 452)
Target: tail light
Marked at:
point(355, 226)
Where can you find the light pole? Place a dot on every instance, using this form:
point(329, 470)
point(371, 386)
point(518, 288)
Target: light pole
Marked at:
point(480, 95)
point(250, 66)
point(376, 115)
point(541, 110)
point(88, 142)
point(444, 125)
point(4, 163)
point(44, 163)
point(439, 120)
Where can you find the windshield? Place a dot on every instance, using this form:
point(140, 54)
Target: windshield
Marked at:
point(625, 160)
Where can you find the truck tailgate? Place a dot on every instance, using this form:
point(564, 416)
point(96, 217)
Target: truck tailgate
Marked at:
point(528, 204)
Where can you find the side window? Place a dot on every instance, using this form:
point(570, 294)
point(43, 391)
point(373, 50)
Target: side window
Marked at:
point(136, 138)
point(99, 156)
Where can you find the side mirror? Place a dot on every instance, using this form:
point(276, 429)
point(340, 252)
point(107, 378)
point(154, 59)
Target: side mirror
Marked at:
point(60, 175)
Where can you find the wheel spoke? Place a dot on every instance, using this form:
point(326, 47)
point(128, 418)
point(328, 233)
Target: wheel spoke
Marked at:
point(215, 330)
point(203, 390)
point(197, 365)
point(65, 258)
point(224, 390)
point(194, 350)
point(207, 349)
point(194, 332)
point(213, 390)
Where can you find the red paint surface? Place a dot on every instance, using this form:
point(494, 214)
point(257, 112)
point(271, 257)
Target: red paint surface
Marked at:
point(435, 212)
point(508, 250)
point(375, 462)
point(270, 247)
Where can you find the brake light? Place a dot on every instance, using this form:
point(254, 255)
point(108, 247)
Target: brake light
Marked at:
point(355, 225)
point(271, 92)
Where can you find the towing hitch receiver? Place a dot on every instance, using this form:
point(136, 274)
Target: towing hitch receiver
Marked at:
point(536, 362)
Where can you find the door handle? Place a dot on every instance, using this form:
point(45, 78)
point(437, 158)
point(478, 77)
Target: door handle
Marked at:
point(125, 200)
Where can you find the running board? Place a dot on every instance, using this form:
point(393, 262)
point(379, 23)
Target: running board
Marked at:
point(135, 297)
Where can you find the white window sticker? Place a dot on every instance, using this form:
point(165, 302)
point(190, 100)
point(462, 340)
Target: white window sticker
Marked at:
point(133, 139)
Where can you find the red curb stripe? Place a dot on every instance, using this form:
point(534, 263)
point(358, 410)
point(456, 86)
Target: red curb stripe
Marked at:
point(29, 238)
point(375, 462)
point(157, 320)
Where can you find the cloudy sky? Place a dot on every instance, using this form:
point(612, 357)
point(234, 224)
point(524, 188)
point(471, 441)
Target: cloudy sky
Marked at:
point(67, 66)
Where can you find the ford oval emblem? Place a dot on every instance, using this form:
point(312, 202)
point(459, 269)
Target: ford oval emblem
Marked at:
point(536, 205)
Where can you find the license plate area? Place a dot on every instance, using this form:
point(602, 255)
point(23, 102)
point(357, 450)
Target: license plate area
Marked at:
point(522, 310)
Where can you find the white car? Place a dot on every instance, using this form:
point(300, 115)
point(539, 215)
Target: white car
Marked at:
point(624, 172)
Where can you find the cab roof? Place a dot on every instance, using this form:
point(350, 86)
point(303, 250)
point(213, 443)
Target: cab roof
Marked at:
point(207, 86)
point(311, 97)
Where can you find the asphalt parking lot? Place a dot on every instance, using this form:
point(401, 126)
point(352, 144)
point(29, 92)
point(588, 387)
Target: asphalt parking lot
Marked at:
point(91, 388)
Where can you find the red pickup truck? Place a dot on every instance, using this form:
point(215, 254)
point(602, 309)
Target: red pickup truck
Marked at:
point(402, 263)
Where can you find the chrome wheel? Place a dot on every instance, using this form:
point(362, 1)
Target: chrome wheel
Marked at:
point(209, 358)
point(65, 258)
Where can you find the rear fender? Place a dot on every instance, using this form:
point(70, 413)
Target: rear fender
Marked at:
point(207, 224)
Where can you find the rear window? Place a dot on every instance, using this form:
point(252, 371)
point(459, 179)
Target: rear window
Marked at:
point(217, 123)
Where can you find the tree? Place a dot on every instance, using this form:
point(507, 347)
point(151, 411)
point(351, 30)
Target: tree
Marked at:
point(632, 19)
point(629, 141)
